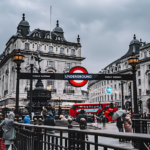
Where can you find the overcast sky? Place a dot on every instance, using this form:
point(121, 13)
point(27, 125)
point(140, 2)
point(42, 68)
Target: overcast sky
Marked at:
point(106, 27)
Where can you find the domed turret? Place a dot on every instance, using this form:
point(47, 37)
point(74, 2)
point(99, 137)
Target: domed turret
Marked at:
point(133, 47)
point(58, 33)
point(23, 26)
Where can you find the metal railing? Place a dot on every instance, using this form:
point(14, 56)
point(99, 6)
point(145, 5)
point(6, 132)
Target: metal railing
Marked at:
point(36, 137)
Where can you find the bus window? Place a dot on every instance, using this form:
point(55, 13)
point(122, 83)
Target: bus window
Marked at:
point(90, 106)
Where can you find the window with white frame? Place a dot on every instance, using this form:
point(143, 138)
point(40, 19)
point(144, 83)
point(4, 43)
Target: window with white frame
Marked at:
point(27, 46)
point(72, 52)
point(51, 84)
point(61, 50)
point(145, 54)
point(40, 47)
point(50, 49)
point(68, 86)
point(50, 63)
point(68, 65)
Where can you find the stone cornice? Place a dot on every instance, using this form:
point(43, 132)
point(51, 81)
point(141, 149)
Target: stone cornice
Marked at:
point(8, 56)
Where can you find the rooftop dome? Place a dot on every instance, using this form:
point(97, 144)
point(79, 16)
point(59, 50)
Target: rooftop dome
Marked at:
point(134, 41)
point(57, 28)
point(23, 22)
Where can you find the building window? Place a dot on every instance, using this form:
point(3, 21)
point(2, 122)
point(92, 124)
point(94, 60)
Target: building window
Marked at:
point(108, 97)
point(107, 81)
point(72, 52)
point(40, 47)
point(119, 85)
point(115, 96)
point(50, 49)
point(139, 81)
point(68, 86)
point(33, 45)
point(119, 96)
point(62, 51)
point(149, 67)
point(50, 83)
point(126, 64)
point(139, 73)
point(68, 65)
point(115, 86)
point(50, 63)
point(145, 54)
point(27, 46)
point(105, 97)
point(139, 92)
point(45, 47)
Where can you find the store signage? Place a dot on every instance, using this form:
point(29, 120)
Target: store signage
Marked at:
point(108, 90)
point(84, 78)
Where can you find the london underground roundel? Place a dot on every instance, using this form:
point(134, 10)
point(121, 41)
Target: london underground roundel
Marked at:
point(78, 83)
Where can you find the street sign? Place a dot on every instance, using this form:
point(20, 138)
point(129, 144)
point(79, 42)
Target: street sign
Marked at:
point(80, 77)
point(109, 90)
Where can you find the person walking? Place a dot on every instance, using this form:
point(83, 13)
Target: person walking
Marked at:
point(127, 123)
point(44, 113)
point(49, 121)
point(27, 119)
point(120, 127)
point(103, 120)
point(8, 134)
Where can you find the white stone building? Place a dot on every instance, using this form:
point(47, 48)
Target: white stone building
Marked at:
point(58, 56)
point(120, 66)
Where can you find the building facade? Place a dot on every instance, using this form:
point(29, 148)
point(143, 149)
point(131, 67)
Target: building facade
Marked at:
point(58, 56)
point(97, 89)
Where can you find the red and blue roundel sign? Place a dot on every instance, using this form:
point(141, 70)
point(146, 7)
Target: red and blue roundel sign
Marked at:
point(78, 83)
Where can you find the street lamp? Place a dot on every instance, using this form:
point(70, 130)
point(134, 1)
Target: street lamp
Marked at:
point(18, 59)
point(31, 65)
point(133, 61)
point(59, 111)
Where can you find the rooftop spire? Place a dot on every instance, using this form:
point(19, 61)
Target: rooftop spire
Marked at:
point(134, 36)
point(57, 23)
point(23, 17)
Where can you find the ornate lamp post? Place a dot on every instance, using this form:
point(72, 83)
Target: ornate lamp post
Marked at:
point(18, 59)
point(31, 65)
point(59, 110)
point(133, 62)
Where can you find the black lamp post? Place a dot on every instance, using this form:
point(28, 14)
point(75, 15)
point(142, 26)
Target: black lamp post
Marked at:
point(122, 91)
point(133, 62)
point(130, 88)
point(18, 59)
point(31, 65)
point(59, 110)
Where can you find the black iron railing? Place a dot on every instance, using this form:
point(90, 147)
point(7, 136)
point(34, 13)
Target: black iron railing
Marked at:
point(36, 137)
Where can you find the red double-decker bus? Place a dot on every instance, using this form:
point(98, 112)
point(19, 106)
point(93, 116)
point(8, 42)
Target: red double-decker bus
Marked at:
point(94, 108)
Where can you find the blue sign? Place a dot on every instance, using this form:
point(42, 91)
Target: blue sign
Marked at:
point(108, 90)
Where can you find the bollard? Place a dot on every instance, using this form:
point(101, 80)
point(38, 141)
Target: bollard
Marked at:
point(35, 121)
point(40, 121)
point(69, 121)
point(83, 124)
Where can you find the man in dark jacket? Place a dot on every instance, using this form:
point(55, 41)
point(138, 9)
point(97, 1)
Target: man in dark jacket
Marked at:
point(82, 115)
point(49, 121)
point(120, 127)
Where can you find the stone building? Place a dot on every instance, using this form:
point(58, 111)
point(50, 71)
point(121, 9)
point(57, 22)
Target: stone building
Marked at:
point(120, 66)
point(58, 54)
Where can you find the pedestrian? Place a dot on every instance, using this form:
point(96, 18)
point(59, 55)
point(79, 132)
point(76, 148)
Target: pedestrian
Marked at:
point(44, 113)
point(53, 111)
point(95, 121)
point(27, 119)
point(49, 121)
point(82, 115)
point(120, 127)
point(103, 120)
point(1, 130)
point(127, 123)
point(8, 135)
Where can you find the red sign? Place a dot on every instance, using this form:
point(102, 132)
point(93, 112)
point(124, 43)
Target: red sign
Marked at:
point(78, 83)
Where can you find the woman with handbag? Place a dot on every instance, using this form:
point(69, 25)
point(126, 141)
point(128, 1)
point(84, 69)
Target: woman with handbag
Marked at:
point(8, 134)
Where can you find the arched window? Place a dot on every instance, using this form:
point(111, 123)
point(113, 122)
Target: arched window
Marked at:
point(27, 46)
point(61, 50)
point(40, 47)
point(72, 52)
point(50, 49)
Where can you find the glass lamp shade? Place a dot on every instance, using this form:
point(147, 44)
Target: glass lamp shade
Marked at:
point(18, 58)
point(133, 61)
